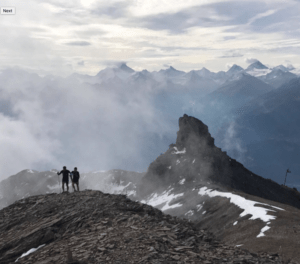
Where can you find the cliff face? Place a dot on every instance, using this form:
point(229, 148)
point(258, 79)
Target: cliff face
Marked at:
point(93, 227)
point(195, 158)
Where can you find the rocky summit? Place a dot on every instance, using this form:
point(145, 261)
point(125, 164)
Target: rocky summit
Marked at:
point(195, 158)
point(93, 227)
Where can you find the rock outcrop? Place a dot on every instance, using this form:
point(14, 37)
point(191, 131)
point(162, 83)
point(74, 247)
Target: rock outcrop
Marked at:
point(198, 160)
point(93, 227)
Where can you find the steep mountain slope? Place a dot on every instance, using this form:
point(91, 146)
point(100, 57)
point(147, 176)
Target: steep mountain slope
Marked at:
point(195, 157)
point(234, 69)
point(217, 107)
point(273, 118)
point(256, 65)
point(194, 179)
point(277, 77)
point(93, 227)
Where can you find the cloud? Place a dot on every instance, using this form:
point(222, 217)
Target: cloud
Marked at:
point(250, 60)
point(179, 22)
point(78, 43)
point(114, 10)
point(232, 55)
point(233, 144)
point(80, 63)
point(228, 65)
point(58, 121)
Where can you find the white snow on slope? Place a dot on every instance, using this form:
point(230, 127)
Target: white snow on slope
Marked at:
point(30, 251)
point(199, 207)
point(178, 152)
point(181, 181)
point(164, 198)
point(248, 206)
point(264, 229)
point(30, 171)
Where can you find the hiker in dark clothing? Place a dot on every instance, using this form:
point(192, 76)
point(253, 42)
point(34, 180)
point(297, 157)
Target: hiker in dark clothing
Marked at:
point(65, 178)
point(75, 179)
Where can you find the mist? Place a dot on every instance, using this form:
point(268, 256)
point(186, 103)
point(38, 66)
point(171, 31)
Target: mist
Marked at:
point(50, 122)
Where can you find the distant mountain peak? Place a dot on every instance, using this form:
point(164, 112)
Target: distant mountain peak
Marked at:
point(125, 68)
point(235, 68)
point(204, 70)
point(257, 65)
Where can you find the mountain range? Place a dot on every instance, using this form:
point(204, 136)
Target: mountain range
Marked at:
point(220, 99)
point(194, 179)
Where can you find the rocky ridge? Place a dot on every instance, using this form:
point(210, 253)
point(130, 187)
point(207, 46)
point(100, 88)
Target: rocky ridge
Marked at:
point(94, 227)
point(195, 158)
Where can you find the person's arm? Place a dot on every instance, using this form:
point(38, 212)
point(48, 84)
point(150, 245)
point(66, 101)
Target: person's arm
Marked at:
point(59, 173)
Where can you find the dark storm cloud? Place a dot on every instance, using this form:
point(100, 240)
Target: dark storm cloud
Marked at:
point(78, 43)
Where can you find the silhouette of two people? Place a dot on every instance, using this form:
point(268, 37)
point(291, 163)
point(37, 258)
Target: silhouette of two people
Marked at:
point(74, 176)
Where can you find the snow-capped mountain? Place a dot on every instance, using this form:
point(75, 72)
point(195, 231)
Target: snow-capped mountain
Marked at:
point(197, 180)
point(122, 72)
point(237, 91)
point(257, 69)
point(256, 65)
point(277, 77)
point(282, 68)
point(205, 73)
point(234, 70)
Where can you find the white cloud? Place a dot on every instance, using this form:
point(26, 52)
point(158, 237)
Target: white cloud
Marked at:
point(261, 15)
point(250, 60)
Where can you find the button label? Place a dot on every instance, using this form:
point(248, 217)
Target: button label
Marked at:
point(8, 10)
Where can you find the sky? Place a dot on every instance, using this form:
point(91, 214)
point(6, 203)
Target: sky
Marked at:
point(47, 122)
point(66, 36)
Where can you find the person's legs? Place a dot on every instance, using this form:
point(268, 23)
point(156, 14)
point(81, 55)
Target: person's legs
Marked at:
point(77, 183)
point(63, 186)
point(67, 183)
point(73, 186)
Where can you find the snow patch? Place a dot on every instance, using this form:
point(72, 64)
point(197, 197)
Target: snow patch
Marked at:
point(170, 167)
point(30, 251)
point(235, 222)
point(247, 205)
point(264, 229)
point(165, 198)
point(182, 181)
point(189, 213)
point(178, 152)
point(204, 212)
point(194, 161)
point(199, 207)
point(30, 171)
point(177, 162)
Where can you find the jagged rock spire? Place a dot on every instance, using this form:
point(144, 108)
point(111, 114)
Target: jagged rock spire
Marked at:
point(192, 134)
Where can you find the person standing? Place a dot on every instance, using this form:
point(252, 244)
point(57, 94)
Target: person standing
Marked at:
point(75, 179)
point(65, 178)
